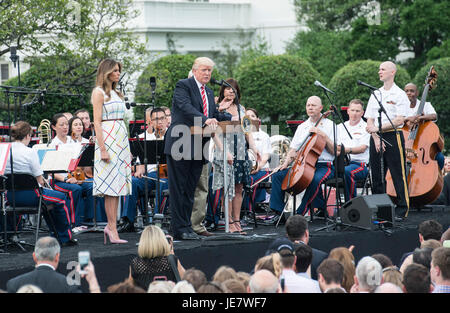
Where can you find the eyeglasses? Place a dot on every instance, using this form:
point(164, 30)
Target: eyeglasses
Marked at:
point(159, 118)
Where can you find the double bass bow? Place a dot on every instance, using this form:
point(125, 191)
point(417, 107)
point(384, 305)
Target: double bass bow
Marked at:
point(302, 171)
point(422, 142)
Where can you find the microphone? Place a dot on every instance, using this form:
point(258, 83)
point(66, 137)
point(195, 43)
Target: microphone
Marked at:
point(134, 104)
point(365, 85)
point(122, 76)
point(215, 82)
point(41, 98)
point(319, 84)
point(153, 83)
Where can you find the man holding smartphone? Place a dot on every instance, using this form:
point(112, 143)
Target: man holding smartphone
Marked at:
point(46, 256)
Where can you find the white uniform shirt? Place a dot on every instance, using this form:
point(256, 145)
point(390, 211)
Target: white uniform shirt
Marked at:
point(302, 132)
point(360, 137)
point(262, 143)
point(56, 141)
point(395, 102)
point(25, 160)
point(427, 109)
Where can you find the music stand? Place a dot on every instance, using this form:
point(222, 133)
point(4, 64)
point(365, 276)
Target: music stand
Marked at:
point(227, 127)
point(87, 159)
point(150, 152)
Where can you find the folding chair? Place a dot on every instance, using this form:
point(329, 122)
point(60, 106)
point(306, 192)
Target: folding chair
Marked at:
point(23, 182)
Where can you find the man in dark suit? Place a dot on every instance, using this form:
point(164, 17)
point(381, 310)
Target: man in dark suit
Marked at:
point(192, 104)
point(46, 256)
point(297, 233)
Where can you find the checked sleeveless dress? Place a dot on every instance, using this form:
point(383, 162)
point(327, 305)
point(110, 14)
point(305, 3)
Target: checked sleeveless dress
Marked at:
point(113, 178)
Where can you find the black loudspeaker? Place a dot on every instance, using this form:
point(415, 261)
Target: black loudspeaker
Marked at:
point(369, 212)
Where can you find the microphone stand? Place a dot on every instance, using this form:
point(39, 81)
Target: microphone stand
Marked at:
point(336, 116)
point(380, 134)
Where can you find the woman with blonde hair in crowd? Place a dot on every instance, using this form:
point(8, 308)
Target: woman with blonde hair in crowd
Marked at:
point(112, 165)
point(223, 273)
point(271, 263)
point(345, 256)
point(153, 260)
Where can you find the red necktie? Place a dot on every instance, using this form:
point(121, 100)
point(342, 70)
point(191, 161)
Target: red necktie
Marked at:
point(205, 104)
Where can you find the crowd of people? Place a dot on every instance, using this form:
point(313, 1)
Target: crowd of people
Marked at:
point(289, 265)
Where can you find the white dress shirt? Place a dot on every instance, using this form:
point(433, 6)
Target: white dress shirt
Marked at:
point(395, 102)
point(302, 132)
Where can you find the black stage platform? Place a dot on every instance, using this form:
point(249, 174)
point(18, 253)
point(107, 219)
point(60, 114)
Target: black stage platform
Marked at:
point(240, 252)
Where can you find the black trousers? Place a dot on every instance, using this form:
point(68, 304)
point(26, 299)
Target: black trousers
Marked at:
point(394, 159)
point(183, 176)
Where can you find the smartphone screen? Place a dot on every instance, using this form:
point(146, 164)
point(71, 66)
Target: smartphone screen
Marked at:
point(83, 260)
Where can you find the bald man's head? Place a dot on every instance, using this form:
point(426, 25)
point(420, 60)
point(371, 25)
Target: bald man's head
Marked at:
point(387, 71)
point(314, 99)
point(263, 281)
point(314, 107)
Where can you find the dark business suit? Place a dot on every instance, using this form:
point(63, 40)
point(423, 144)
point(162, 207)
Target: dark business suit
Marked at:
point(44, 277)
point(184, 173)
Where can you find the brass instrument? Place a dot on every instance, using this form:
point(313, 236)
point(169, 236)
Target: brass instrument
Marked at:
point(280, 146)
point(246, 124)
point(44, 131)
point(253, 158)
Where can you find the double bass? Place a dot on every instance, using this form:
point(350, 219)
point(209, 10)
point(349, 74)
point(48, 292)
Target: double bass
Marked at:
point(422, 142)
point(302, 171)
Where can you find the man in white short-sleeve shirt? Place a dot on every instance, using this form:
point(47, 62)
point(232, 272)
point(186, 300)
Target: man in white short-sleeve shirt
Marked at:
point(313, 197)
point(357, 147)
point(396, 103)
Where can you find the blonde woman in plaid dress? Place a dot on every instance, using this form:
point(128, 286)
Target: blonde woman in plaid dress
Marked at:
point(112, 165)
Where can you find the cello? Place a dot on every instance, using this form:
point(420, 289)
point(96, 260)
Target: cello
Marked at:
point(302, 171)
point(422, 142)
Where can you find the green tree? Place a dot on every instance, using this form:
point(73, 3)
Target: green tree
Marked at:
point(22, 23)
point(325, 50)
point(442, 51)
point(344, 81)
point(400, 26)
point(63, 68)
point(278, 87)
point(246, 47)
point(439, 95)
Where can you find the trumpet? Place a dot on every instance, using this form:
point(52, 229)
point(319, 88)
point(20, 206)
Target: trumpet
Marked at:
point(44, 131)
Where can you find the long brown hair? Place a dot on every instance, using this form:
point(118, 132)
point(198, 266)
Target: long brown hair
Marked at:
point(105, 68)
point(235, 85)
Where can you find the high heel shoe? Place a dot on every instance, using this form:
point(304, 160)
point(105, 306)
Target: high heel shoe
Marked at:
point(108, 232)
point(239, 228)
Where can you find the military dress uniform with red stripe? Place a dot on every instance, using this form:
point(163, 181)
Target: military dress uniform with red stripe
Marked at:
point(396, 103)
point(26, 161)
point(313, 196)
point(357, 169)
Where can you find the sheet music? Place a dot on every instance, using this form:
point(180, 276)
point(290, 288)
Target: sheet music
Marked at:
point(56, 160)
point(60, 159)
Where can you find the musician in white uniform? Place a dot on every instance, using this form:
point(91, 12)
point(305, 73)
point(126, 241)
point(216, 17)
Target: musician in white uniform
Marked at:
point(357, 147)
point(313, 197)
point(263, 145)
point(428, 114)
point(26, 161)
point(156, 121)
